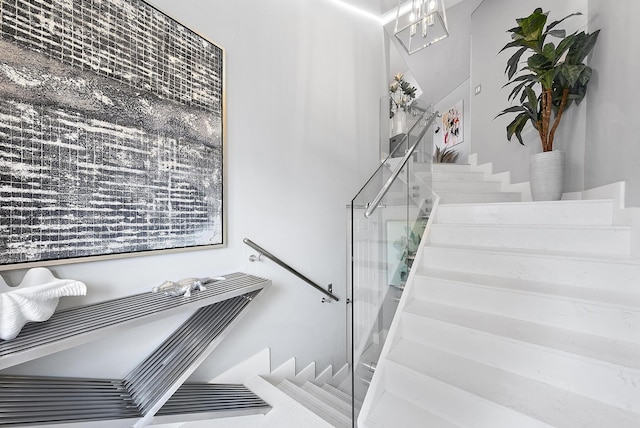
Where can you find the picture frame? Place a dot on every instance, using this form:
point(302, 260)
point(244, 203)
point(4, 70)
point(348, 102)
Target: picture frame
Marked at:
point(112, 133)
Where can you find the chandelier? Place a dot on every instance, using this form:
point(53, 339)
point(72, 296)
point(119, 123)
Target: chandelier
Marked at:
point(423, 25)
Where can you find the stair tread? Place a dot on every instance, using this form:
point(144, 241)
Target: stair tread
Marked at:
point(542, 203)
point(476, 193)
point(447, 401)
point(591, 295)
point(320, 408)
point(535, 226)
point(450, 166)
point(337, 392)
point(594, 211)
point(599, 348)
point(602, 258)
point(620, 322)
point(585, 239)
point(453, 180)
point(328, 398)
point(601, 271)
point(392, 411)
point(533, 398)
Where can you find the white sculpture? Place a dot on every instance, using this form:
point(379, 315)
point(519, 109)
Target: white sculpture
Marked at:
point(184, 287)
point(35, 299)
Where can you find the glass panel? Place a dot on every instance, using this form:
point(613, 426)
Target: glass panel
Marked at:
point(384, 243)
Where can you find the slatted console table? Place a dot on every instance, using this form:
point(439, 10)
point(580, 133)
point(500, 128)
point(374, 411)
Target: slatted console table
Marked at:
point(155, 391)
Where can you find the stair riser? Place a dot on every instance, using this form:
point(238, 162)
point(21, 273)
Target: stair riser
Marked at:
point(305, 375)
point(326, 397)
point(450, 167)
point(591, 318)
point(587, 240)
point(468, 198)
point(558, 270)
point(466, 187)
point(451, 176)
point(447, 401)
point(564, 212)
point(608, 383)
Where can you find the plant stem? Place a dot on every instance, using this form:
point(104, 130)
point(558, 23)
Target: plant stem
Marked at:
point(547, 99)
point(556, 122)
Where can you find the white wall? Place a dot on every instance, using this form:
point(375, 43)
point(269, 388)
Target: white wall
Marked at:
point(462, 92)
point(489, 25)
point(613, 128)
point(303, 84)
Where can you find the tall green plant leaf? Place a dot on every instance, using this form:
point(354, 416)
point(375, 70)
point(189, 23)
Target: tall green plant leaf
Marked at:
point(582, 46)
point(533, 26)
point(571, 73)
point(555, 23)
point(565, 45)
point(525, 80)
point(556, 33)
point(516, 127)
point(512, 64)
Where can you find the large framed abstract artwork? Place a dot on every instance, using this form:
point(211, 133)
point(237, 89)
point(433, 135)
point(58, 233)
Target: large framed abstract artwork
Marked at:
point(111, 132)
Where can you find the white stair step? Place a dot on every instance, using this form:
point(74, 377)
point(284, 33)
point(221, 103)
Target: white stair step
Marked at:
point(616, 273)
point(539, 304)
point(306, 374)
point(440, 186)
point(337, 392)
point(341, 376)
point(325, 376)
point(584, 212)
point(391, 411)
point(321, 409)
point(519, 285)
point(286, 412)
point(331, 400)
point(454, 175)
point(580, 239)
point(450, 167)
point(532, 398)
point(605, 349)
point(285, 371)
point(447, 197)
point(448, 402)
point(609, 383)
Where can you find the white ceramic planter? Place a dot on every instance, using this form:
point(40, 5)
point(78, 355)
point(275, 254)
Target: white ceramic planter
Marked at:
point(546, 172)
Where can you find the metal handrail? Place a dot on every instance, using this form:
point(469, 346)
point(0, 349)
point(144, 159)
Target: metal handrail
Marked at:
point(373, 205)
point(262, 252)
point(414, 106)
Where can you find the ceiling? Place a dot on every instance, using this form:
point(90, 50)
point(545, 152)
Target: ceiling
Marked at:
point(382, 7)
point(374, 7)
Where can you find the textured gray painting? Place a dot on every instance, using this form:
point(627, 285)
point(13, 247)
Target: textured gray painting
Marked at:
point(110, 131)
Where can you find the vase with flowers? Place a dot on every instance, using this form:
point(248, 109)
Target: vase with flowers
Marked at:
point(401, 93)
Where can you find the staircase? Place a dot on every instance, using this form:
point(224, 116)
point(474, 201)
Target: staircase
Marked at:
point(299, 398)
point(516, 314)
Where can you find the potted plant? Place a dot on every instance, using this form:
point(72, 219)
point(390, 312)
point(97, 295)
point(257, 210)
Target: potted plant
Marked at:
point(553, 78)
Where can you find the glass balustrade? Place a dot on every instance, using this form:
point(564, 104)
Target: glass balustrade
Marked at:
point(384, 235)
